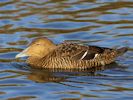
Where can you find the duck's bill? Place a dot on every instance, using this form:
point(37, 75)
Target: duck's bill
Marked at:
point(22, 54)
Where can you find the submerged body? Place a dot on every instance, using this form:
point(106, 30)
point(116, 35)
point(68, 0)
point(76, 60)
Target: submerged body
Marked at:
point(43, 53)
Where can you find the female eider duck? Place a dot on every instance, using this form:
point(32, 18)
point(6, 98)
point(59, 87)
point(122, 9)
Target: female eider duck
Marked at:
point(43, 53)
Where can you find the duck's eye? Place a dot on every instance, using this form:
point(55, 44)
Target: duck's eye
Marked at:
point(38, 44)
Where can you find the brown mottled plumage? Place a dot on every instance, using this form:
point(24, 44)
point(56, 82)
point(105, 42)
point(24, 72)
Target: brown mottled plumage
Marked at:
point(43, 53)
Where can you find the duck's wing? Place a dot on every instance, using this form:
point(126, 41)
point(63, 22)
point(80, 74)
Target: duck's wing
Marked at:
point(79, 52)
point(68, 56)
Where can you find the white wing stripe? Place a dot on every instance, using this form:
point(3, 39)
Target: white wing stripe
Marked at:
point(96, 55)
point(84, 55)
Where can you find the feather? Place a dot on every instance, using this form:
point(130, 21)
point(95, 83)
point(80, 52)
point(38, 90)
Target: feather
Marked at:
point(68, 55)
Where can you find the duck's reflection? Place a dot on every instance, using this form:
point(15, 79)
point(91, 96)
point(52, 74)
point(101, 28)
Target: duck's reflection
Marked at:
point(60, 75)
point(43, 76)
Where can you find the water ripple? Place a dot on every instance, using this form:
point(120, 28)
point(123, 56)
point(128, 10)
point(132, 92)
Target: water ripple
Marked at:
point(106, 23)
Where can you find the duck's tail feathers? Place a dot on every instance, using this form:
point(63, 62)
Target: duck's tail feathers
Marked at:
point(122, 50)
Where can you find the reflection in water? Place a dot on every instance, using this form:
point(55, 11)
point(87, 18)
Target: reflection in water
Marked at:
point(105, 23)
point(61, 75)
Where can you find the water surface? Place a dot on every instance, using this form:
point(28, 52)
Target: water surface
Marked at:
point(107, 23)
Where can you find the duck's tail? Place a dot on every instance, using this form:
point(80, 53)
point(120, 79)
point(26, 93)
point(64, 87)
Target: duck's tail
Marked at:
point(122, 50)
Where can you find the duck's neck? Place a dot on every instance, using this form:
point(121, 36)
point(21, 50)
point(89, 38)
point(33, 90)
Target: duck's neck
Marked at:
point(33, 61)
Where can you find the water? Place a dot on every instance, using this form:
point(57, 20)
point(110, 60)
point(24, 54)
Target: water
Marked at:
point(107, 23)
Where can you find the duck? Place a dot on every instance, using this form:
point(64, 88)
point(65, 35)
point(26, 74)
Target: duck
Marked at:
point(44, 53)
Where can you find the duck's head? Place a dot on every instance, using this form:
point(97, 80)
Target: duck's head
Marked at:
point(38, 48)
